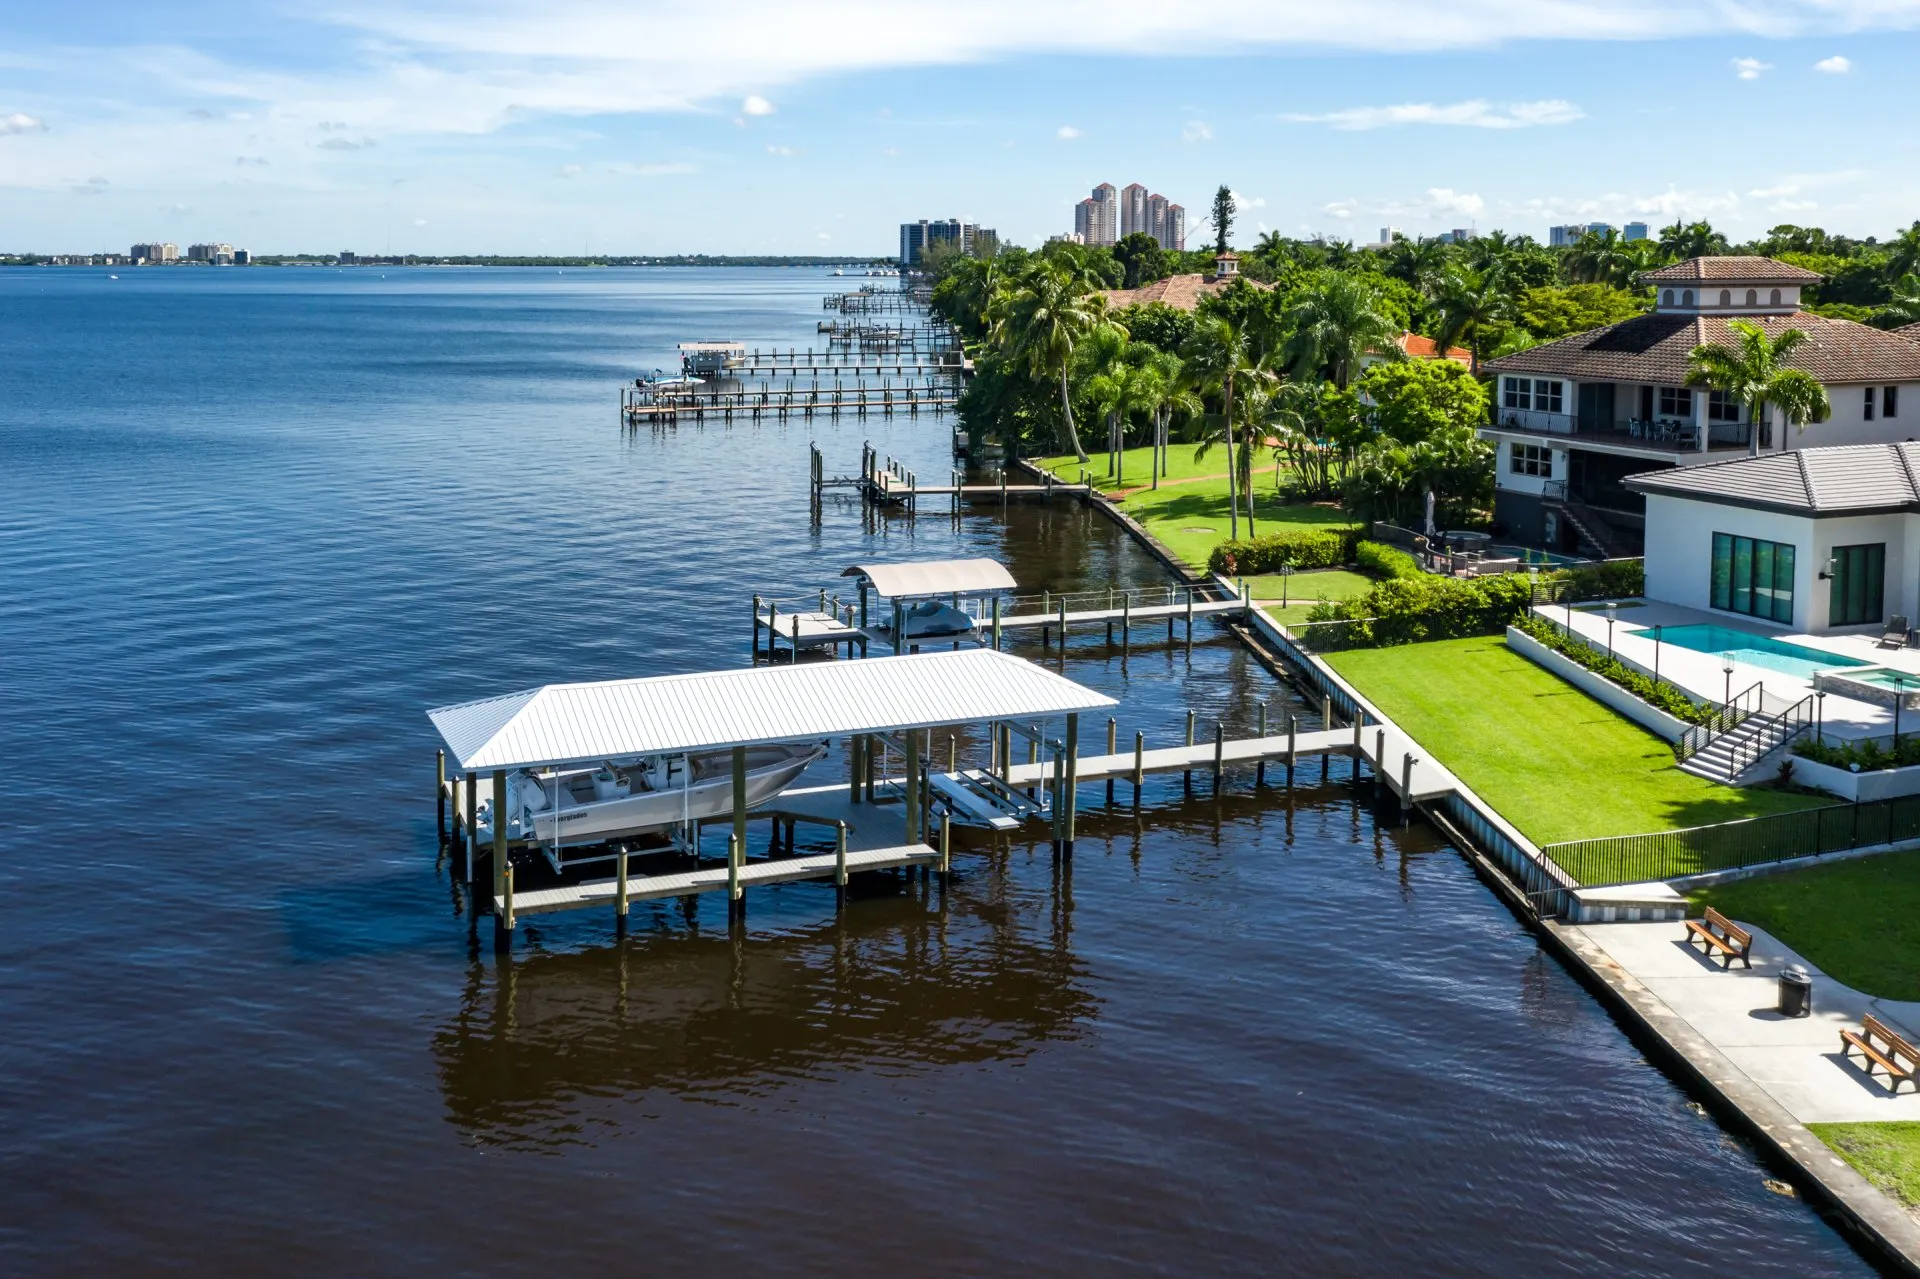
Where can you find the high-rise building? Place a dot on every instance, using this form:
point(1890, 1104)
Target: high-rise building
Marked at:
point(1634, 231)
point(214, 254)
point(1174, 229)
point(1098, 217)
point(1133, 210)
point(917, 237)
point(1387, 233)
point(1157, 218)
point(157, 252)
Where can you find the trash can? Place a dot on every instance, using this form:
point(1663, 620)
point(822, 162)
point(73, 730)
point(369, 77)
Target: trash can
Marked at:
point(1796, 992)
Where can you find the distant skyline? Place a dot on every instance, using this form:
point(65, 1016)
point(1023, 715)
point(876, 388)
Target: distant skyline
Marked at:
point(580, 126)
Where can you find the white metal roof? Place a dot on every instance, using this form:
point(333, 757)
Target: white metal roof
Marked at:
point(934, 577)
point(623, 719)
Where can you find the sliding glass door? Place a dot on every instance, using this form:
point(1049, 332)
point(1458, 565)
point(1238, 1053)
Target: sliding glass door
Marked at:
point(1752, 576)
point(1859, 585)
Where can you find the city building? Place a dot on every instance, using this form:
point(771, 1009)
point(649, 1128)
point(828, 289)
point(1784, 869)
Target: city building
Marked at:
point(1171, 230)
point(1560, 237)
point(212, 254)
point(1134, 216)
point(1634, 231)
point(154, 253)
point(1388, 234)
point(1096, 219)
point(1573, 419)
point(918, 237)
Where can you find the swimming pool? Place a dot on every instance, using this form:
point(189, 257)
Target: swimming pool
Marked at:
point(1751, 650)
point(1531, 555)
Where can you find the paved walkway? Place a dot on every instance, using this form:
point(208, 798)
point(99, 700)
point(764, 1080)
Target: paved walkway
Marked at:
point(1796, 1061)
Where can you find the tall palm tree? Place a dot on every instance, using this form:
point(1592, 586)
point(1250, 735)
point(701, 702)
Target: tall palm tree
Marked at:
point(1041, 322)
point(1122, 391)
point(1903, 252)
point(1685, 240)
point(1470, 303)
point(1217, 359)
point(1602, 257)
point(1420, 263)
point(1755, 372)
point(1904, 306)
point(1173, 395)
point(1337, 323)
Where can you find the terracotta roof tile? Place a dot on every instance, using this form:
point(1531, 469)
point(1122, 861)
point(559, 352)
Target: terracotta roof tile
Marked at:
point(1769, 270)
point(1654, 348)
point(1425, 348)
point(1911, 332)
point(1182, 292)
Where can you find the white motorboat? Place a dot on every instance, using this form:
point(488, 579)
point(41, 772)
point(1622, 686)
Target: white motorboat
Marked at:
point(930, 619)
point(612, 801)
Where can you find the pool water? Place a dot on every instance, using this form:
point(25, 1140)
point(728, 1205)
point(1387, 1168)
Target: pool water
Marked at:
point(1532, 555)
point(1753, 650)
point(1887, 677)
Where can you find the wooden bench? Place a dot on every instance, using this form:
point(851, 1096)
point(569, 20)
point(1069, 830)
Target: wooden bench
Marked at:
point(1719, 935)
point(1882, 1047)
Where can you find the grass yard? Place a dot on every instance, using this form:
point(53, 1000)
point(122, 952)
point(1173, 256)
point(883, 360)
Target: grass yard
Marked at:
point(1191, 519)
point(1888, 1155)
point(1550, 759)
point(1859, 920)
point(1138, 471)
point(1304, 590)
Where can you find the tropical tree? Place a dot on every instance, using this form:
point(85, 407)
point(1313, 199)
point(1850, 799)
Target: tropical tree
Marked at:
point(1903, 253)
point(1120, 392)
point(1222, 217)
point(1416, 399)
point(1685, 240)
point(1904, 306)
point(1142, 258)
point(1472, 306)
point(1754, 370)
point(1336, 323)
point(1041, 322)
point(1420, 263)
point(1172, 394)
point(1218, 360)
point(1602, 257)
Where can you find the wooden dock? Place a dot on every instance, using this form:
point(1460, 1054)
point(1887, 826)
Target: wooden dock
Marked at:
point(860, 400)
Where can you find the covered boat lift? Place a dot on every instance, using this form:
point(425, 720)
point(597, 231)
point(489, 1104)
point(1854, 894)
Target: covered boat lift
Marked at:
point(869, 703)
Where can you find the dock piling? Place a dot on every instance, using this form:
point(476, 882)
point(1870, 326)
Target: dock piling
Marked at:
point(1293, 744)
point(1072, 779)
point(1139, 763)
point(620, 899)
point(1113, 748)
point(1406, 782)
point(1260, 769)
point(946, 845)
point(440, 795)
point(499, 832)
point(1186, 775)
point(1219, 752)
point(473, 807)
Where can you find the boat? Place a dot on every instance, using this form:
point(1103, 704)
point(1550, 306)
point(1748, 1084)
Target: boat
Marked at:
point(930, 619)
point(616, 800)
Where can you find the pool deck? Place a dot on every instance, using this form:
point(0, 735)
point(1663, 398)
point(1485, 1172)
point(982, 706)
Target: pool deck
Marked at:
point(1703, 674)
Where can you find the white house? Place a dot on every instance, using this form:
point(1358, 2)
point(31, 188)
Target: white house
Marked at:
point(1816, 540)
point(1574, 418)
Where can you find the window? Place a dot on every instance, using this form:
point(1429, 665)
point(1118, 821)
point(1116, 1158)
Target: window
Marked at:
point(1889, 401)
point(1532, 393)
point(1686, 298)
point(1775, 299)
point(1530, 459)
point(1666, 298)
point(1722, 407)
point(1752, 577)
point(1866, 409)
point(1676, 401)
point(1859, 578)
point(1753, 297)
point(1726, 297)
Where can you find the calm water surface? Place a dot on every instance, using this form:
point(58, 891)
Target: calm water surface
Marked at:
point(256, 521)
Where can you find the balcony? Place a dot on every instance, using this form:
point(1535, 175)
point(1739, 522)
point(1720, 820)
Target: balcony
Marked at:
point(1660, 435)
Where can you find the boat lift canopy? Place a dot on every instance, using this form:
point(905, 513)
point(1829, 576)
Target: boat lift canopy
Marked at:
point(930, 578)
point(561, 724)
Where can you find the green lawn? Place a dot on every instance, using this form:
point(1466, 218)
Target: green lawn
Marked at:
point(1888, 1155)
point(1137, 471)
point(1858, 920)
point(1550, 759)
point(1304, 590)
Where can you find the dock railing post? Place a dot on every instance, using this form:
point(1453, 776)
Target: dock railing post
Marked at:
point(1063, 626)
point(1126, 623)
point(620, 891)
point(1380, 754)
point(773, 628)
point(840, 856)
point(1260, 768)
point(1189, 617)
point(795, 641)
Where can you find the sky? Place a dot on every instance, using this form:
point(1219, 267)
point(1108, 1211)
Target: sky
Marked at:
point(817, 126)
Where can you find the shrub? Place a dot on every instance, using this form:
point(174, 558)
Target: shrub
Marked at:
point(1608, 580)
point(1660, 696)
point(1861, 756)
point(1302, 548)
point(1412, 610)
point(1385, 562)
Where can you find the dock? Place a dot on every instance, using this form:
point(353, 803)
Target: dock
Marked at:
point(891, 484)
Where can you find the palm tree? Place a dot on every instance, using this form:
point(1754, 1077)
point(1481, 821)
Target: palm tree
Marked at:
point(1217, 359)
point(1041, 322)
point(1691, 240)
point(1126, 389)
point(1470, 304)
point(1755, 373)
point(1421, 263)
point(1904, 306)
point(1172, 395)
point(1337, 323)
point(1603, 258)
point(1903, 252)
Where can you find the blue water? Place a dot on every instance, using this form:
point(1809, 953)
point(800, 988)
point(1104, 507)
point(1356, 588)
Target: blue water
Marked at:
point(256, 521)
point(1749, 649)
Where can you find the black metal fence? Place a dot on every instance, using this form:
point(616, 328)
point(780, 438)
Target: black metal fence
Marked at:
point(1754, 841)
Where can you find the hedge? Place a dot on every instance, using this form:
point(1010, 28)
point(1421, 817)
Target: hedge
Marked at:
point(1385, 562)
point(1607, 580)
point(1299, 548)
point(1430, 607)
point(1660, 696)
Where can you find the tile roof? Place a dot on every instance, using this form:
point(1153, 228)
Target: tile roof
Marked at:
point(1841, 479)
point(1180, 291)
point(1424, 348)
point(1769, 270)
point(1911, 332)
point(1654, 348)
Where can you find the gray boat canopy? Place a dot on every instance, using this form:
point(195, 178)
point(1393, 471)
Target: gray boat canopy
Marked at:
point(933, 578)
point(562, 724)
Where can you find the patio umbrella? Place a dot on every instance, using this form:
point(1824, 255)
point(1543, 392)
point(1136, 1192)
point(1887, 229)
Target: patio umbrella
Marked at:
point(1429, 529)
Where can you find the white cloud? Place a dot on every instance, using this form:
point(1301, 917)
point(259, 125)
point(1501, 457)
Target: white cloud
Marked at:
point(1463, 203)
point(1197, 131)
point(1836, 65)
point(1750, 68)
point(1477, 113)
point(779, 150)
point(20, 122)
point(1342, 209)
point(1066, 133)
point(345, 144)
point(1241, 203)
point(756, 105)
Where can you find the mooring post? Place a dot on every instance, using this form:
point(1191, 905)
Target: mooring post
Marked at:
point(737, 846)
point(946, 844)
point(840, 856)
point(503, 933)
point(1379, 754)
point(1113, 747)
point(756, 624)
point(795, 641)
point(1406, 782)
point(1126, 623)
point(620, 903)
point(1359, 753)
point(1189, 617)
point(1326, 714)
point(1063, 626)
point(1293, 742)
point(853, 768)
point(440, 795)
point(1109, 610)
point(911, 789)
point(1260, 768)
point(996, 623)
point(773, 629)
point(1186, 773)
point(1139, 763)
point(1219, 752)
point(473, 807)
point(953, 752)
point(499, 832)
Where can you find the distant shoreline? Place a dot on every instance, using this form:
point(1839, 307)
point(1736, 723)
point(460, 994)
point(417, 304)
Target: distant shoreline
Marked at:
point(306, 260)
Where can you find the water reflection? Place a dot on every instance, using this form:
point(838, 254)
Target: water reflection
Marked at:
point(983, 972)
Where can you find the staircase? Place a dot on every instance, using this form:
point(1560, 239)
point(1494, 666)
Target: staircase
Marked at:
point(1598, 539)
point(1737, 754)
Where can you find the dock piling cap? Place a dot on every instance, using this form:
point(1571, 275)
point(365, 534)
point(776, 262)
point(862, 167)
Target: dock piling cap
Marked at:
point(568, 724)
point(934, 577)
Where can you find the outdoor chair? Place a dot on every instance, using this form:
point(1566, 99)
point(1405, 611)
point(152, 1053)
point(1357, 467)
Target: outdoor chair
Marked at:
point(1896, 632)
